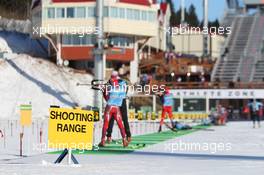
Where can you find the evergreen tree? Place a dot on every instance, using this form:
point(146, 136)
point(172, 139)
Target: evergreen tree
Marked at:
point(14, 8)
point(173, 18)
point(191, 17)
point(214, 23)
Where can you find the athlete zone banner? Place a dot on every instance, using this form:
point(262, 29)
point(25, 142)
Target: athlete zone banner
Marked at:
point(219, 93)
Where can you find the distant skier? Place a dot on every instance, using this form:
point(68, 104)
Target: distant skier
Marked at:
point(1, 134)
point(123, 109)
point(222, 115)
point(167, 102)
point(114, 95)
point(255, 108)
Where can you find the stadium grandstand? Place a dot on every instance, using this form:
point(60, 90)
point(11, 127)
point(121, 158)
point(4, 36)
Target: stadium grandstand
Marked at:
point(242, 57)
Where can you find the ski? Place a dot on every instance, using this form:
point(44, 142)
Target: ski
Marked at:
point(171, 128)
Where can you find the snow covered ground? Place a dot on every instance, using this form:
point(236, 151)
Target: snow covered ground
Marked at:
point(245, 157)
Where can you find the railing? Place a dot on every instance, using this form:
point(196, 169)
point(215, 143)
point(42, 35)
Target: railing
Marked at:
point(247, 51)
point(216, 67)
point(237, 21)
point(258, 57)
point(237, 31)
point(222, 53)
point(239, 67)
point(253, 71)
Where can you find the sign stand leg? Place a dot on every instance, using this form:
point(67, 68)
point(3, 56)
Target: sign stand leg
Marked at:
point(4, 135)
point(75, 161)
point(21, 141)
point(62, 156)
point(21, 144)
point(70, 157)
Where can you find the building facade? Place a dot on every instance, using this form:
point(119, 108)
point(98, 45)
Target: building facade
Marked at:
point(71, 25)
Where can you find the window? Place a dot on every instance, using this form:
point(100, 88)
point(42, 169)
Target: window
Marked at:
point(129, 42)
point(60, 13)
point(151, 16)
point(91, 39)
point(91, 12)
point(51, 13)
point(121, 12)
point(114, 12)
point(83, 40)
point(106, 12)
point(133, 14)
point(70, 12)
point(136, 14)
point(194, 105)
point(78, 40)
point(144, 16)
point(80, 12)
point(129, 13)
point(121, 41)
point(66, 39)
point(115, 41)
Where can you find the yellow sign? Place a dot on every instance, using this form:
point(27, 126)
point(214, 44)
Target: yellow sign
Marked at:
point(192, 116)
point(131, 115)
point(153, 116)
point(96, 116)
point(148, 116)
point(25, 115)
point(159, 115)
point(70, 128)
point(140, 115)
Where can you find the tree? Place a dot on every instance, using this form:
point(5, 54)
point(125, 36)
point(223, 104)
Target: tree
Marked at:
point(192, 18)
point(173, 18)
point(214, 23)
point(15, 8)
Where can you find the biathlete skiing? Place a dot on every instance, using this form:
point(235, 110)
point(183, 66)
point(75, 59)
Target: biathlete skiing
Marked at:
point(123, 109)
point(114, 93)
point(167, 102)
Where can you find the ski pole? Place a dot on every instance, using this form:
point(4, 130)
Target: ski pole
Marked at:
point(93, 83)
point(83, 84)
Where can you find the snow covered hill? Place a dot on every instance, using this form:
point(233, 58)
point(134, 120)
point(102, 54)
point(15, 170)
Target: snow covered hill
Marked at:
point(25, 80)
